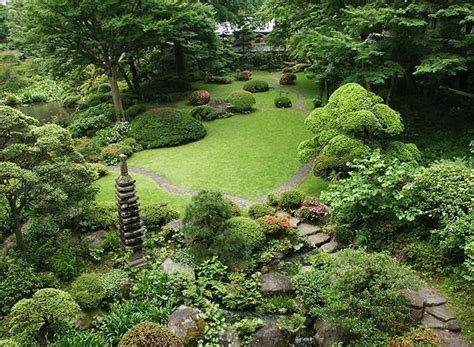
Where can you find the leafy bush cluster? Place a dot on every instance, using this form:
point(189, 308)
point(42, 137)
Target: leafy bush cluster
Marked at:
point(134, 111)
point(155, 216)
point(260, 210)
point(88, 122)
point(110, 153)
point(359, 292)
point(165, 127)
point(244, 75)
point(287, 78)
point(354, 123)
point(288, 201)
point(113, 134)
point(40, 91)
point(199, 97)
point(241, 101)
point(283, 102)
point(256, 86)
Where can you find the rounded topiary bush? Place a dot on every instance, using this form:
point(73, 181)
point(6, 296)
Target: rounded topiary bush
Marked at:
point(256, 86)
point(241, 101)
point(238, 242)
point(88, 290)
point(166, 127)
point(291, 200)
point(287, 78)
point(260, 210)
point(283, 102)
point(219, 80)
point(199, 97)
point(149, 334)
point(204, 113)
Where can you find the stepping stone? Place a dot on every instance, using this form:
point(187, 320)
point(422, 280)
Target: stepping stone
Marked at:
point(330, 247)
point(416, 300)
point(431, 297)
point(432, 322)
point(453, 325)
point(318, 239)
point(305, 268)
point(308, 229)
point(275, 282)
point(294, 222)
point(450, 339)
point(441, 312)
point(170, 267)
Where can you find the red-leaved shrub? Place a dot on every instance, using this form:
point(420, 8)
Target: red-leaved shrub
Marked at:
point(244, 75)
point(199, 97)
point(287, 78)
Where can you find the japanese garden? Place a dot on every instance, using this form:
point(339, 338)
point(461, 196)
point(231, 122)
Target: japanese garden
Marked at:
point(236, 173)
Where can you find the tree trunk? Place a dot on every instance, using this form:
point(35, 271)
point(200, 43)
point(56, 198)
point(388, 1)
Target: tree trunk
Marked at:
point(390, 90)
point(112, 74)
point(16, 225)
point(179, 59)
point(135, 77)
point(125, 77)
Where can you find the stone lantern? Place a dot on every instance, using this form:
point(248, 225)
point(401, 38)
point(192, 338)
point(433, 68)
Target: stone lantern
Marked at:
point(128, 209)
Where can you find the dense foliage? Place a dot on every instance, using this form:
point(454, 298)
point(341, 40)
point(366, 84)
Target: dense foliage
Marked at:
point(256, 86)
point(150, 334)
point(241, 101)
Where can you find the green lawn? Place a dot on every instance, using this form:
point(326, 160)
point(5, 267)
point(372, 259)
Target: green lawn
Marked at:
point(309, 88)
point(246, 155)
point(147, 191)
point(312, 185)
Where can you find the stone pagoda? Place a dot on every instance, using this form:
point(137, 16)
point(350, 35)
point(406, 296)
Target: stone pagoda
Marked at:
point(128, 208)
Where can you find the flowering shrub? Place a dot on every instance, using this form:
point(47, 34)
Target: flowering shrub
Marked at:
point(287, 78)
point(199, 97)
point(275, 225)
point(312, 210)
point(244, 75)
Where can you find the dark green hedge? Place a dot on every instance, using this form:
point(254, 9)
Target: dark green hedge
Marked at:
point(166, 127)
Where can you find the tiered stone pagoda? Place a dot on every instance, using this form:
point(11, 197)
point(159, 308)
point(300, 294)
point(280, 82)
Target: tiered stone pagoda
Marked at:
point(128, 208)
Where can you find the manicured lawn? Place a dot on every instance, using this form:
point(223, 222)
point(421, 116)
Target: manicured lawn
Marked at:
point(312, 185)
point(310, 88)
point(246, 155)
point(147, 191)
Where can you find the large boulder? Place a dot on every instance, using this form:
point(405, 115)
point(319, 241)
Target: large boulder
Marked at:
point(275, 282)
point(269, 336)
point(95, 239)
point(230, 338)
point(187, 323)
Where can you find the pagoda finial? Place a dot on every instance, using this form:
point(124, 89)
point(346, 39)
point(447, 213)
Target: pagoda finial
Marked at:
point(123, 165)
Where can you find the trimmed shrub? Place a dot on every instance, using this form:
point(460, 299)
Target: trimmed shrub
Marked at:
point(283, 102)
point(166, 127)
point(48, 308)
point(112, 134)
point(131, 142)
point(156, 216)
point(110, 154)
point(291, 200)
point(11, 100)
point(204, 113)
point(287, 78)
point(219, 80)
point(88, 290)
point(134, 111)
point(150, 334)
point(199, 97)
point(88, 148)
point(99, 170)
point(244, 75)
point(204, 218)
point(112, 283)
point(256, 86)
point(260, 210)
point(241, 101)
point(238, 242)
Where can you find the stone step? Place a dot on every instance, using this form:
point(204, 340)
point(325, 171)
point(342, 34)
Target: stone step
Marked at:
point(330, 247)
point(441, 312)
point(308, 229)
point(318, 239)
point(294, 222)
point(431, 297)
